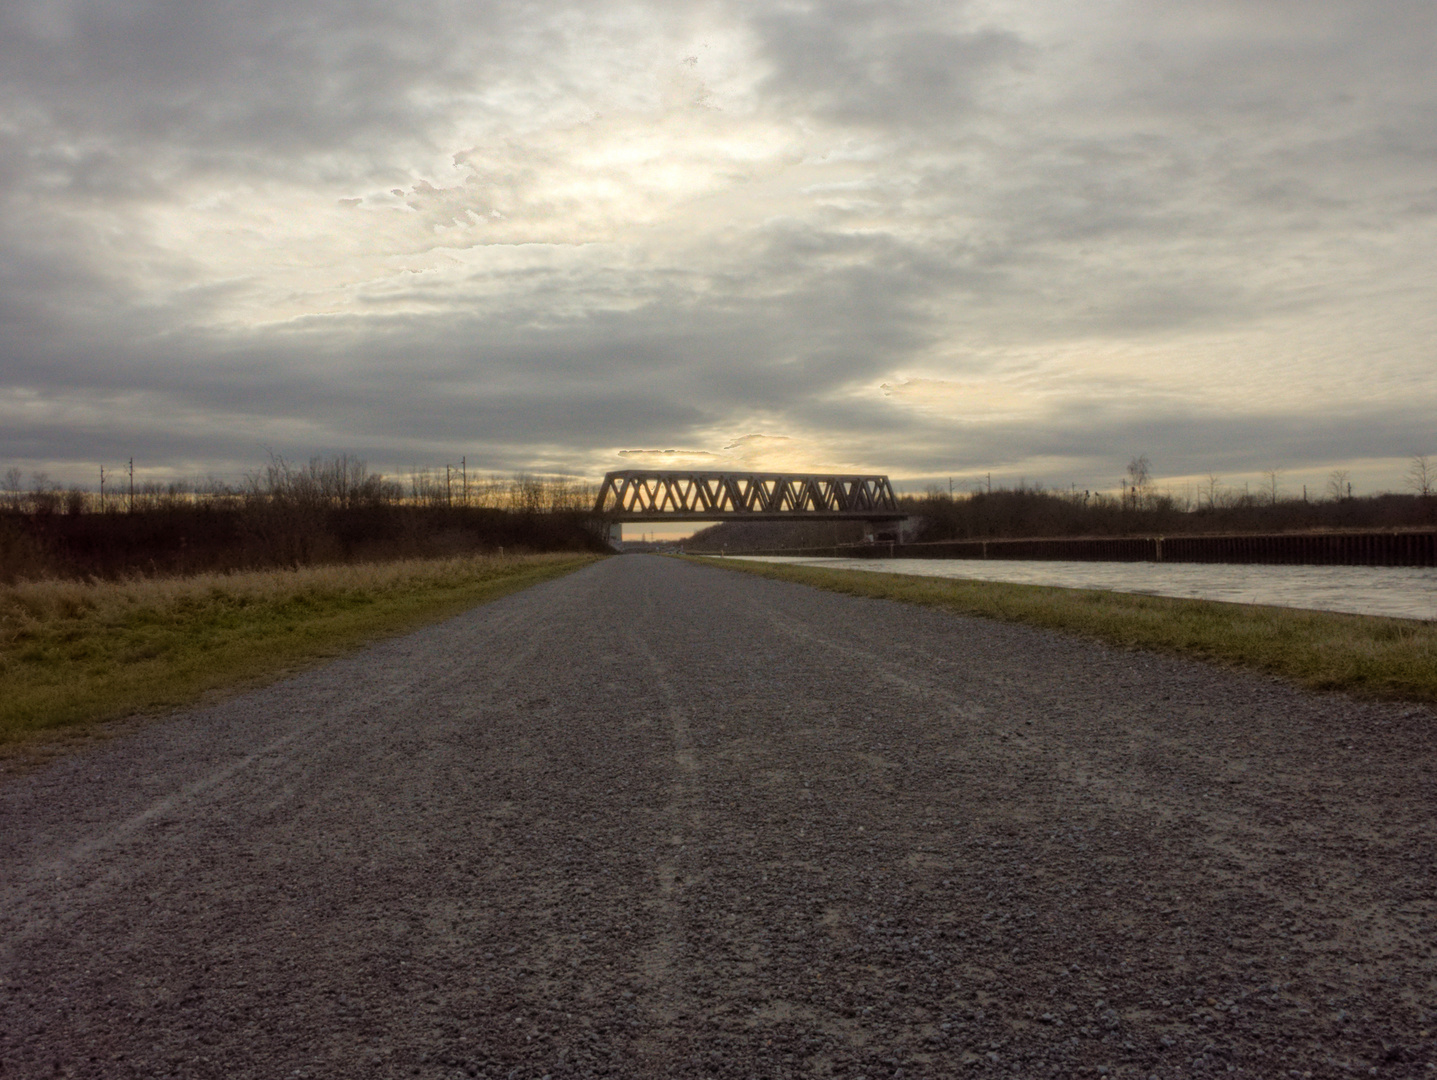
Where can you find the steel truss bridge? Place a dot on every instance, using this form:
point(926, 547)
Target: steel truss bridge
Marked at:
point(672, 495)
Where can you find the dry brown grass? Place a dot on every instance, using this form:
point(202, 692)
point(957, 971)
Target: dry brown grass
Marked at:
point(34, 606)
point(1392, 659)
point(77, 652)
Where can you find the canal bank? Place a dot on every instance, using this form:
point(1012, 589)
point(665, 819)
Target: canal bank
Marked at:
point(1398, 592)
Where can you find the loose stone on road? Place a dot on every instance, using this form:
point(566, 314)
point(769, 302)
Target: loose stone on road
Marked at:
point(663, 820)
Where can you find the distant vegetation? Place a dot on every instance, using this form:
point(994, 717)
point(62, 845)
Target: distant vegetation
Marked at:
point(285, 515)
point(1023, 512)
point(1027, 513)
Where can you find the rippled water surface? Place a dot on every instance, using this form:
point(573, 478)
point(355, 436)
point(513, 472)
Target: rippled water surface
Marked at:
point(1407, 592)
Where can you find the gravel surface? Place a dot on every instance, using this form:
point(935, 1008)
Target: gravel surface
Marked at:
point(662, 820)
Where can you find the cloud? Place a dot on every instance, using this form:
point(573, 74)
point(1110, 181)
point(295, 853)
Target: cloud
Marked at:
point(891, 67)
point(901, 236)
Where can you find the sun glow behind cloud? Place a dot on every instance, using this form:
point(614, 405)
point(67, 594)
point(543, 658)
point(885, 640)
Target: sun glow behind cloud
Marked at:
point(647, 175)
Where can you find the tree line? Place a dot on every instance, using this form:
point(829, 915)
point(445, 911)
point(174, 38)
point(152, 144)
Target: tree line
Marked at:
point(341, 481)
point(285, 514)
point(1139, 507)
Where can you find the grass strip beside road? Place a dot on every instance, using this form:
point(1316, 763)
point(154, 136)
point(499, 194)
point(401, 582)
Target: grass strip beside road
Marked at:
point(1390, 659)
point(75, 653)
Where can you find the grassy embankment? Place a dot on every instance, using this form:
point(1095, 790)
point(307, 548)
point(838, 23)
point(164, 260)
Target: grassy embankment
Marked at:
point(1393, 659)
point(72, 653)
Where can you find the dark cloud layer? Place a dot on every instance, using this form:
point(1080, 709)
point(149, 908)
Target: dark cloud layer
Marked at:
point(541, 235)
point(893, 67)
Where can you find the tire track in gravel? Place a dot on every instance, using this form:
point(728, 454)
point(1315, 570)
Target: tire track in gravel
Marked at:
point(1232, 830)
point(660, 820)
point(271, 775)
point(663, 967)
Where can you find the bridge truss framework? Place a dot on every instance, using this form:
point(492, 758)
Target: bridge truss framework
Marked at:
point(673, 495)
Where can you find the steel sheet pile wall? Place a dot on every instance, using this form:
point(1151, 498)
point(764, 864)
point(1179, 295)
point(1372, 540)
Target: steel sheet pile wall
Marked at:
point(1331, 549)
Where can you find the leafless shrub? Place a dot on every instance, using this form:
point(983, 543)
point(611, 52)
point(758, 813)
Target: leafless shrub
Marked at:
point(526, 494)
point(45, 496)
point(341, 481)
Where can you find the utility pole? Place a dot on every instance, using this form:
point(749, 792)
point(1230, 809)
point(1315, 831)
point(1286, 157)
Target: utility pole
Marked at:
point(990, 483)
point(464, 472)
point(448, 498)
point(102, 489)
point(132, 485)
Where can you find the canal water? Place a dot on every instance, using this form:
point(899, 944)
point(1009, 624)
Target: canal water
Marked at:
point(1400, 591)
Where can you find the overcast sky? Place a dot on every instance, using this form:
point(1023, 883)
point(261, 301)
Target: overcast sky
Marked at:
point(928, 239)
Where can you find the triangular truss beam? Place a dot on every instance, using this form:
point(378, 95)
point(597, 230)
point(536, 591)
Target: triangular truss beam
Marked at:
point(666, 495)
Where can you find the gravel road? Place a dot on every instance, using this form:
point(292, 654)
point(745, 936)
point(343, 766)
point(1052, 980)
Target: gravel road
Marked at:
point(662, 820)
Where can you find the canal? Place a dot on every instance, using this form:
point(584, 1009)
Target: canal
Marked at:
point(1399, 591)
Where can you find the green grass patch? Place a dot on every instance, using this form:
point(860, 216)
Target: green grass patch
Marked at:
point(1392, 659)
point(74, 653)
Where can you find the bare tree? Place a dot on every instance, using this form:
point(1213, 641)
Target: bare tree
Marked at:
point(526, 494)
point(13, 480)
point(1422, 475)
point(44, 493)
point(1140, 477)
point(1212, 485)
point(1339, 484)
